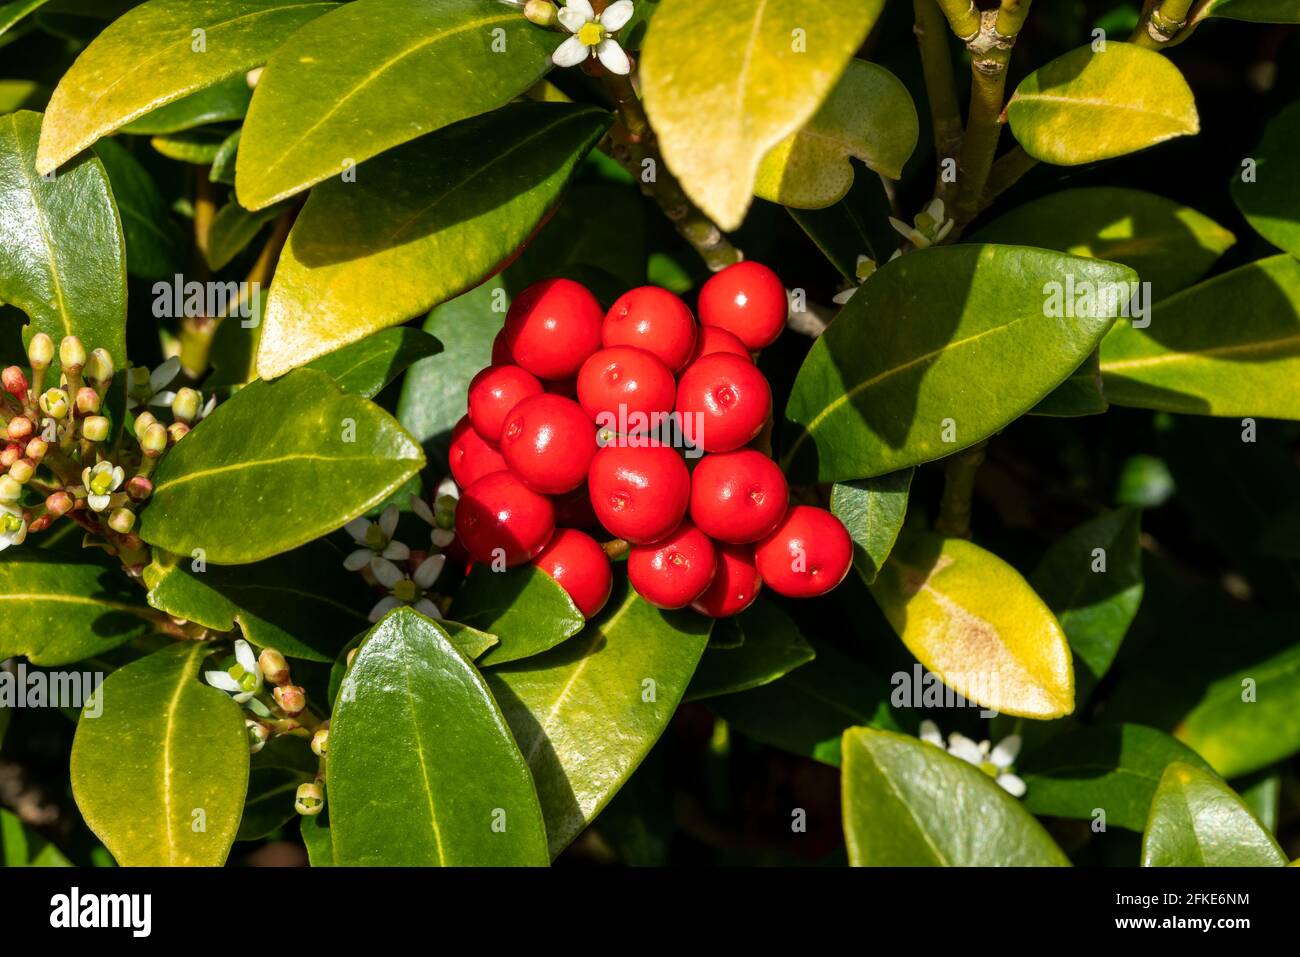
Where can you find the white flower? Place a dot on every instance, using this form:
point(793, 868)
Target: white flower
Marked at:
point(931, 226)
point(376, 541)
point(13, 526)
point(404, 590)
point(150, 388)
point(243, 679)
point(442, 516)
point(863, 270)
point(591, 35)
point(996, 762)
point(101, 482)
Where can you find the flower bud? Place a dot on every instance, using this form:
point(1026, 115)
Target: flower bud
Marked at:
point(10, 454)
point(20, 428)
point(310, 799)
point(95, 427)
point(10, 489)
point(60, 504)
point(99, 368)
point(154, 441)
point(177, 431)
point(541, 12)
point(37, 448)
point(352, 656)
point(15, 383)
point(320, 742)
point(40, 524)
point(87, 401)
point(21, 471)
point(186, 405)
point(258, 735)
point(274, 668)
point(142, 422)
point(40, 351)
point(291, 698)
point(72, 354)
point(139, 488)
point(54, 403)
point(122, 520)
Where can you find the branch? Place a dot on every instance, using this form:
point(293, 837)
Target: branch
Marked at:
point(940, 87)
point(958, 487)
point(1161, 21)
point(963, 16)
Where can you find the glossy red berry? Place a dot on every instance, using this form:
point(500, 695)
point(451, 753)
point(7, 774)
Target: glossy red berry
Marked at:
point(499, 512)
point(573, 509)
point(552, 327)
point(653, 319)
point(639, 493)
point(673, 572)
point(735, 584)
point(732, 396)
point(470, 457)
point(500, 350)
point(738, 496)
point(807, 555)
point(548, 442)
point(580, 566)
point(622, 381)
point(716, 339)
point(746, 299)
point(493, 393)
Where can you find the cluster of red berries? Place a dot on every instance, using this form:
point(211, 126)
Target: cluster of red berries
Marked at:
point(561, 436)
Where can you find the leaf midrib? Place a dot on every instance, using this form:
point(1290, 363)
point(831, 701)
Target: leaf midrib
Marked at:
point(1260, 346)
point(44, 228)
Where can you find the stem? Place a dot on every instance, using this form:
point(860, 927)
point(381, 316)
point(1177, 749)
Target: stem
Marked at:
point(616, 548)
point(963, 16)
point(1006, 172)
point(940, 87)
point(1161, 21)
point(958, 486)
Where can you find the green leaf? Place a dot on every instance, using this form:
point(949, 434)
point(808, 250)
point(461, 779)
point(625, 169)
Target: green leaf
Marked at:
point(1198, 821)
point(223, 164)
point(914, 355)
point(772, 646)
point(868, 116)
point(424, 222)
point(288, 461)
point(1270, 201)
point(59, 609)
point(303, 603)
point(147, 59)
point(11, 13)
point(1263, 795)
point(1080, 394)
point(423, 769)
point(198, 147)
point(586, 713)
point(1112, 767)
point(270, 802)
point(365, 367)
point(434, 390)
point(909, 804)
point(61, 249)
point(1087, 106)
point(1255, 11)
point(1189, 360)
point(471, 642)
point(232, 229)
point(807, 711)
point(725, 83)
point(1169, 245)
point(318, 841)
point(166, 753)
point(350, 86)
point(154, 240)
point(522, 606)
point(219, 103)
point(972, 620)
point(873, 511)
point(1094, 596)
point(20, 846)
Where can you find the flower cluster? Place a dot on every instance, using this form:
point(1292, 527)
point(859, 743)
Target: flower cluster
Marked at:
point(998, 762)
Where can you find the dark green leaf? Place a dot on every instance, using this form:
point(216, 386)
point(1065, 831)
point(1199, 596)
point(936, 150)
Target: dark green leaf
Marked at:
point(522, 606)
point(1198, 821)
point(223, 101)
point(772, 646)
point(873, 511)
point(1080, 394)
point(1270, 198)
point(154, 241)
point(365, 367)
point(269, 806)
point(20, 846)
point(232, 229)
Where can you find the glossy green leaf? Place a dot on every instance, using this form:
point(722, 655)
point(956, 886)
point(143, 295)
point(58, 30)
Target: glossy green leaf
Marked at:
point(12, 12)
point(270, 801)
point(873, 511)
point(1080, 394)
point(58, 609)
point(1087, 106)
point(1270, 200)
point(365, 367)
point(424, 222)
point(232, 229)
point(1190, 360)
point(1114, 768)
point(273, 467)
point(62, 257)
point(972, 620)
point(772, 646)
point(147, 59)
point(1169, 245)
point(167, 754)
point(940, 349)
point(223, 164)
point(303, 603)
point(1254, 11)
point(522, 606)
point(868, 116)
point(219, 103)
point(20, 846)
point(473, 644)
point(724, 84)
point(908, 804)
point(350, 86)
point(1198, 821)
point(586, 713)
point(1263, 795)
point(198, 147)
point(154, 240)
point(422, 767)
point(1092, 581)
point(316, 838)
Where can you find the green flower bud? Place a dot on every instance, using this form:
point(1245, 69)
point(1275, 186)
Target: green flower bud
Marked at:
point(177, 431)
point(310, 799)
point(72, 354)
point(21, 471)
point(186, 405)
point(142, 421)
point(54, 403)
point(99, 368)
point(40, 351)
point(10, 489)
point(258, 735)
point(320, 742)
point(37, 448)
point(95, 428)
point(122, 520)
point(154, 441)
point(541, 12)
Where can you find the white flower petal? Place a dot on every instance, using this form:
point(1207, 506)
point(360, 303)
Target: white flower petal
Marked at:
point(388, 521)
point(1012, 785)
point(247, 660)
point(960, 746)
point(383, 607)
point(208, 406)
point(164, 374)
point(357, 528)
point(118, 477)
point(616, 15)
point(85, 476)
point(421, 508)
point(612, 56)
point(397, 551)
point(903, 229)
point(223, 681)
point(935, 210)
point(5, 542)
point(162, 400)
point(442, 537)
point(582, 7)
point(429, 570)
point(571, 20)
point(386, 573)
point(427, 608)
point(840, 298)
point(569, 53)
point(930, 733)
point(1004, 755)
point(358, 560)
point(447, 486)
point(97, 502)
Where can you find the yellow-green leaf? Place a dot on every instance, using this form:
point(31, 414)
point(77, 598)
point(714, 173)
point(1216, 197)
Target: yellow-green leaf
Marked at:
point(1198, 821)
point(1087, 106)
point(724, 83)
point(974, 621)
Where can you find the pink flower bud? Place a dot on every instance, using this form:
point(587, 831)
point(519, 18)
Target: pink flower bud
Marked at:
point(87, 400)
point(60, 504)
point(139, 488)
point(274, 667)
point(291, 699)
point(37, 448)
point(15, 383)
point(22, 471)
point(20, 428)
point(11, 454)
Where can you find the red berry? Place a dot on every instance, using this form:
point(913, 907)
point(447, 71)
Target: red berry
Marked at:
point(732, 396)
point(738, 496)
point(500, 351)
point(716, 339)
point(674, 571)
point(573, 509)
point(639, 493)
point(500, 512)
point(807, 555)
point(735, 584)
point(628, 377)
point(493, 393)
point(653, 319)
point(565, 387)
point(746, 299)
point(470, 457)
point(552, 327)
point(548, 443)
point(580, 566)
